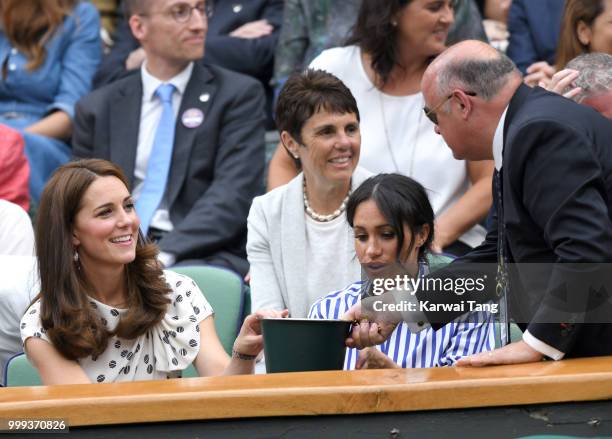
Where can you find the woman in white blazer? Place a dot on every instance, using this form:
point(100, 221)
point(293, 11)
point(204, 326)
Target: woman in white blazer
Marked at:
point(299, 242)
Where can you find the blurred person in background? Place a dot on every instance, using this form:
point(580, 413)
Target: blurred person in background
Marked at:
point(49, 52)
point(587, 27)
point(587, 79)
point(312, 26)
point(242, 36)
point(495, 21)
point(534, 28)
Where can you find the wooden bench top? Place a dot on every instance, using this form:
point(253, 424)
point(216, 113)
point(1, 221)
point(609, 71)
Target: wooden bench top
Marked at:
point(313, 393)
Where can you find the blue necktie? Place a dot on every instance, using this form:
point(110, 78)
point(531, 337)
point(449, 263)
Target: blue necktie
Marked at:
point(159, 160)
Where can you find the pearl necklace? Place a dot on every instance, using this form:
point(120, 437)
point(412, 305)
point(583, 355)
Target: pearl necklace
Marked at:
point(324, 218)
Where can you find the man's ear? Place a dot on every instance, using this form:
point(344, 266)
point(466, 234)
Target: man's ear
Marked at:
point(465, 105)
point(137, 26)
point(290, 144)
point(584, 33)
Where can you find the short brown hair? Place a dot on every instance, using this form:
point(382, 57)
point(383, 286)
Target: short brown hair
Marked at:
point(74, 329)
point(569, 44)
point(308, 92)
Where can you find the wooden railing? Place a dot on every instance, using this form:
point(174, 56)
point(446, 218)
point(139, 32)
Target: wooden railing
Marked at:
point(313, 393)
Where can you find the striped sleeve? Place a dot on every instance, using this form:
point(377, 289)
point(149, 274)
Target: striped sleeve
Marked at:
point(469, 338)
point(334, 305)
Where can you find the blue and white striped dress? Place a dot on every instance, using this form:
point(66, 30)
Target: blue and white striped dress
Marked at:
point(427, 348)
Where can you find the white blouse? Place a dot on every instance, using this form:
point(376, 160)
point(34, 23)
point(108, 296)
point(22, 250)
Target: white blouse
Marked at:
point(162, 352)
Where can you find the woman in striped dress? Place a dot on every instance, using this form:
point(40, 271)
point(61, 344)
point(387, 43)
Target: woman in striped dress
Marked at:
point(393, 224)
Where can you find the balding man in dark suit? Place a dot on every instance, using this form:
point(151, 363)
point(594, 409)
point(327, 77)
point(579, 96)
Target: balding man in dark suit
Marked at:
point(551, 236)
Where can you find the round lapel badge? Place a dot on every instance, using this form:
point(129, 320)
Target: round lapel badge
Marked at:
point(192, 118)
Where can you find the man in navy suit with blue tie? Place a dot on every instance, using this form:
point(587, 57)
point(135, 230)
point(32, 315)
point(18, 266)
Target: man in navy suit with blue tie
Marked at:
point(553, 198)
point(189, 136)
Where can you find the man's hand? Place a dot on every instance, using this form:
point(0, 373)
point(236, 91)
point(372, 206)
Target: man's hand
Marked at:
point(513, 353)
point(135, 59)
point(562, 81)
point(366, 333)
point(539, 73)
point(372, 358)
point(253, 29)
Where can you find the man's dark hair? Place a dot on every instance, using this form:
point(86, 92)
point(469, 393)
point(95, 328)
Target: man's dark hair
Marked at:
point(308, 92)
point(402, 201)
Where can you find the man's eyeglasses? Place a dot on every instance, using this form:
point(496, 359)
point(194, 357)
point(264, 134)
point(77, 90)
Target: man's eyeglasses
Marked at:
point(431, 113)
point(182, 12)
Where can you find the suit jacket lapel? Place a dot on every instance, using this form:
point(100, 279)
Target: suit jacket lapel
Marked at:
point(124, 125)
point(199, 94)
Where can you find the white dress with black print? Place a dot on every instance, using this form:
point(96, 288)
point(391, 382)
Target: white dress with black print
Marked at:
point(162, 352)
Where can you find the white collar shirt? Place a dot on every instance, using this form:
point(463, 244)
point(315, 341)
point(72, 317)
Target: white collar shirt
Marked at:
point(498, 141)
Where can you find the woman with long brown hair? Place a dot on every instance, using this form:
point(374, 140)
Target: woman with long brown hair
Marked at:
point(586, 28)
point(49, 52)
point(106, 311)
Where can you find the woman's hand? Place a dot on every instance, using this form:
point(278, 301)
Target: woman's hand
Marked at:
point(250, 341)
point(539, 73)
point(372, 358)
point(562, 83)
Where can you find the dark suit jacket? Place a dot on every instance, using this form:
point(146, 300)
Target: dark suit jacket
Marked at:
point(217, 168)
point(253, 57)
point(557, 211)
point(534, 27)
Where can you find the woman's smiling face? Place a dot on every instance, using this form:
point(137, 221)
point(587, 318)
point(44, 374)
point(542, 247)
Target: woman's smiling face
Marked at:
point(330, 146)
point(105, 228)
point(423, 26)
